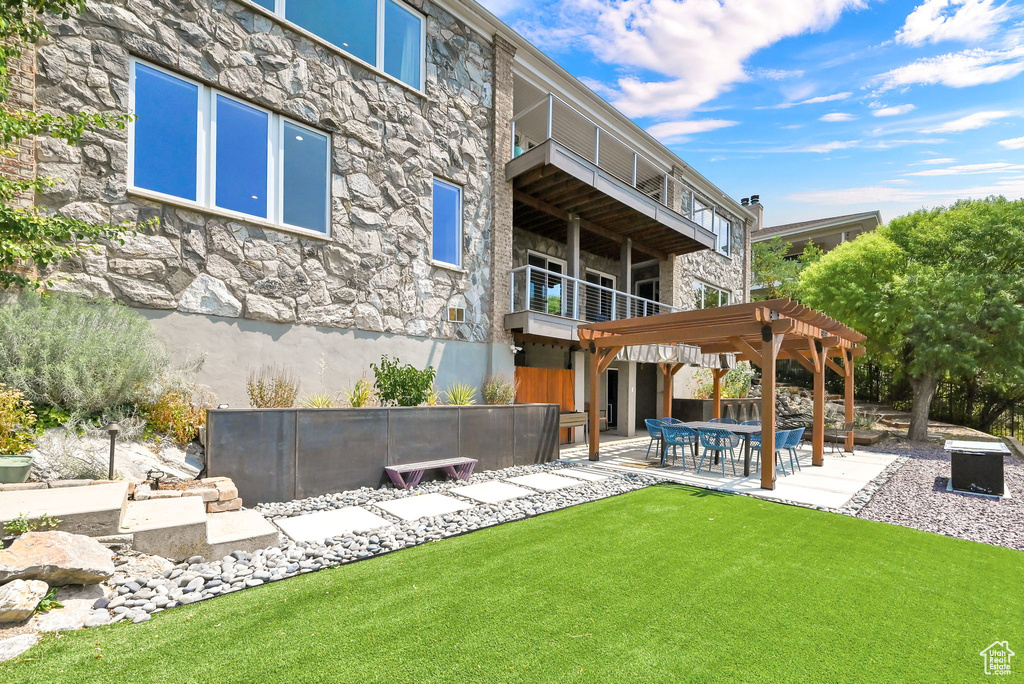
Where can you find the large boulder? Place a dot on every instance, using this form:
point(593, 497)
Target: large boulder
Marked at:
point(57, 558)
point(19, 598)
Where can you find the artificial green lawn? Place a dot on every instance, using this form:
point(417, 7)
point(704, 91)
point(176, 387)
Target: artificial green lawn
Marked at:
point(664, 584)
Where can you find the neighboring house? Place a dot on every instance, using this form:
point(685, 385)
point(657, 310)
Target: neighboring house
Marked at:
point(826, 233)
point(414, 180)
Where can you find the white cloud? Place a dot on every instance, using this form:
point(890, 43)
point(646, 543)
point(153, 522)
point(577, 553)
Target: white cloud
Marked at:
point(969, 122)
point(813, 100)
point(964, 20)
point(693, 51)
point(941, 160)
point(969, 169)
point(1013, 143)
point(894, 111)
point(1011, 187)
point(777, 74)
point(956, 70)
point(670, 130)
point(829, 146)
point(833, 117)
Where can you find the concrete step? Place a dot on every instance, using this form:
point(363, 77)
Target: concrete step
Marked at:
point(238, 531)
point(172, 528)
point(94, 510)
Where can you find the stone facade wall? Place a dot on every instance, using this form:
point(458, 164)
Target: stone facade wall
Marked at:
point(524, 241)
point(374, 272)
point(21, 164)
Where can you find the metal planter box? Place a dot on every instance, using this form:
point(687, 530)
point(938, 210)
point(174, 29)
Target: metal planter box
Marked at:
point(977, 467)
point(284, 454)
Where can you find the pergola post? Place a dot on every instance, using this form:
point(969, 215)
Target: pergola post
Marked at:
point(716, 397)
point(848, 396)
point(595, 407)
point(769, 355)
point(818, 434)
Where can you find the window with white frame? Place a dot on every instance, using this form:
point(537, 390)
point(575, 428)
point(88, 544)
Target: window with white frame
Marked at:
point(723, 233)
point(707, 296)
point(386, 34)
point(447, 223)
point(194, 143)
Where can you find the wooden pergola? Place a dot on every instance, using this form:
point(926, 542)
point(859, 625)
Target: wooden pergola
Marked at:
point(759, 332)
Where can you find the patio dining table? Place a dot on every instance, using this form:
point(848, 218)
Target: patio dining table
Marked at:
point(742, 431)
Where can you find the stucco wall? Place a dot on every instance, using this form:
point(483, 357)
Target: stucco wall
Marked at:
point(374, 273)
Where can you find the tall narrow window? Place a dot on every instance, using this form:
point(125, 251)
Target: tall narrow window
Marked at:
point(305, 178)
point(349, 24)
point(402, 43)
point(447, 232)
point(241, 157)
point(724, 231)
point(166, 134)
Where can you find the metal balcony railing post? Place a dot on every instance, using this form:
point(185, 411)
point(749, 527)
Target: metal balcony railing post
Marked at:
point(513, 151)
point(597, 146)
point(636, 158)
point(551, 114)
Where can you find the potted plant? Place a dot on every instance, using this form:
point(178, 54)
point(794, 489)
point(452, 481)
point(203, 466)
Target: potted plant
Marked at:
point(17, 435)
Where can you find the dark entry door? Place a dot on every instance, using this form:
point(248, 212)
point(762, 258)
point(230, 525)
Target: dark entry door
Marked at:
point(613, 397)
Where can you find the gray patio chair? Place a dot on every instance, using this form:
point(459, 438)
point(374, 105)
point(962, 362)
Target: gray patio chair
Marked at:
point(720, 442)
point(679, 436)
point(836, 435)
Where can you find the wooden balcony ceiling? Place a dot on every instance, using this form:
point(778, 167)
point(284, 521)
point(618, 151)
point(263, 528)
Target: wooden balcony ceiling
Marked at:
point(551, 182)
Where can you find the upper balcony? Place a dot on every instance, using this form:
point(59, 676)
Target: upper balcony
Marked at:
point(547, 304)
point(564, 164)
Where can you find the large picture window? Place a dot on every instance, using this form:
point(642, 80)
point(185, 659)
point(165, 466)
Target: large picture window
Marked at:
point(386, 34)
point(447, 223)
point(707, 296)
point(193, 143)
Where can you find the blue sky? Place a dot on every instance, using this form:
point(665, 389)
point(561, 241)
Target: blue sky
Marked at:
point(822, 107)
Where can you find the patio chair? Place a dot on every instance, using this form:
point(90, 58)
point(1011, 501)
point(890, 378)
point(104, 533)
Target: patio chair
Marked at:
point(781, 437)
point(792, 442)
point(668, 420)
point(836, 435)
point(720, 442)
point(751, 422)
point(654, 430)
point(679, 436)
point(727, 421)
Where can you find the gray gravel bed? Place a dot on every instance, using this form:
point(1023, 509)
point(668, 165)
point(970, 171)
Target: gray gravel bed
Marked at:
point(915, 496)
point(197, 579)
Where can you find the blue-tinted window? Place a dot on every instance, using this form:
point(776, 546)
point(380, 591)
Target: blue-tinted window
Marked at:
point(724, 231)
point(241, 157)
point(349, 24)
point(166, 133)
point(305, 178)
point(402, 34)
point(447, 223)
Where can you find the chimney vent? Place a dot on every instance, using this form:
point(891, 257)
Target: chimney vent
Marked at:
point(745, 201)
point(755, 199)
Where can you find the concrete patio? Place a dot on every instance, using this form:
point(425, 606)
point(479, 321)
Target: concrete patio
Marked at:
point(831, 485)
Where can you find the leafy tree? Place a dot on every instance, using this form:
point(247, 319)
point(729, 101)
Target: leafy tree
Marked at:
point(775, 274)
point(939, 292)
point(28, 236)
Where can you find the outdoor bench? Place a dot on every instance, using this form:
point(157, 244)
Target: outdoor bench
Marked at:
point(460, 468)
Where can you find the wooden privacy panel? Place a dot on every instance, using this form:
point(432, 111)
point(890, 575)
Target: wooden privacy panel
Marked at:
point(548, 386)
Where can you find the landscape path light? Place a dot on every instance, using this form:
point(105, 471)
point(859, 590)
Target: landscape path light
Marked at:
point(112, 429)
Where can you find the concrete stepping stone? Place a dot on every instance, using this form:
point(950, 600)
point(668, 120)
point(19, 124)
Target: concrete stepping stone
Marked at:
point(579, 473)
point(492, 492)
point(93, 510)
point(327, 524)
point(426, 505)
point(544, 482)
point(238, 531)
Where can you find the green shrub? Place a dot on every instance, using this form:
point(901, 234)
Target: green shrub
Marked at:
point(17, 422)
point(272, 387)
point(460, 394)
point(178, 416)
point(399, 385)
point(735, 384)
point(500, 390)
point(360, 395)
point(318, 400)
point(78, 355)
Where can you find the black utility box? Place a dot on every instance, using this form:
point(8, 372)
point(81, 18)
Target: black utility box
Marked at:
point(977, 467)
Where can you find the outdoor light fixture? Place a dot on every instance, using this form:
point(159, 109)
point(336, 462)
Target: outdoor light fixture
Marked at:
point(222, 406)
point(112, 429)
point(155, 476)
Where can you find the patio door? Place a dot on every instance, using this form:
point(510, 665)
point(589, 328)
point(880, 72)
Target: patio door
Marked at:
point(599, 301)
point(613, 397)
point(547, 292)
point(647, 289)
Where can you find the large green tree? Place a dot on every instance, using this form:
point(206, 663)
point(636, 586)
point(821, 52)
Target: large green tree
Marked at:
point(939, 292)
point(775, 272)
point(27, 236)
